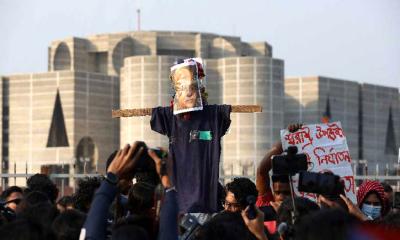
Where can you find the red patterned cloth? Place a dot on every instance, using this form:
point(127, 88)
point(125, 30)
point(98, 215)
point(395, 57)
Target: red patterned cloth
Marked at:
point(200, 70)
point(371, 186)
point(264, 200)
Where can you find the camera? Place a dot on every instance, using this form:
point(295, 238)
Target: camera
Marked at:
point(289, 163)
point(188, 226)
point(6, 212)
point(326, 184)
point(145, 163)
point(145, 168)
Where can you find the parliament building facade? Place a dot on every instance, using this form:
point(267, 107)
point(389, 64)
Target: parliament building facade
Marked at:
point(59, 121)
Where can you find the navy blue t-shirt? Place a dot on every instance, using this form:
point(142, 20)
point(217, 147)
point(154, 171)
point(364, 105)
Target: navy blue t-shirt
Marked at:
point(194, 149)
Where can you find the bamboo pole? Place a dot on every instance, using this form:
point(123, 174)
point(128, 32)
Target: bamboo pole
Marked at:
point(136, 112)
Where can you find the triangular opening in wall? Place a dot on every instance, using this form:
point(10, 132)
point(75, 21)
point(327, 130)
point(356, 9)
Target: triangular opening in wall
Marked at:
point(58, 133)
point(326, 116)
point(390, 146)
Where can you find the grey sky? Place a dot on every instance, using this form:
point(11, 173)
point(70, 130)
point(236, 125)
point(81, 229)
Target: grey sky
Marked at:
point(350, 39)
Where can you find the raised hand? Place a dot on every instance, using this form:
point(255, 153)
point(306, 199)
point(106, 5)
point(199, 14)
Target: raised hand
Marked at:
point(294, 127)
point(125, 160)
point(354, 209)
point(159, 162)
point(256, 225)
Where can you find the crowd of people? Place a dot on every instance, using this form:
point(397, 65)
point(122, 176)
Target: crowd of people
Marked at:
point(136, 201)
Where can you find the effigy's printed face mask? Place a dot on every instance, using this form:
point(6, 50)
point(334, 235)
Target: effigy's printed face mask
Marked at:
point(186, 85)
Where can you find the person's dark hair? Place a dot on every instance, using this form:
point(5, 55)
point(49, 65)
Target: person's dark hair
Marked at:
point(3, 219)
point(221, 194)
point(337, 200)
point(32, 198)
point(36, 197)
point(42, 183)
point(148, 177)
point(329, 224)
point(391, 221)
point(42, 213)
point(225, 225)
point(66, 201)
point(141, 198)
point(67, 226)
point(129, 232)
point(85, 193)
point(304, 207)
point(280, 178)
point(141, 225)
point(23, 229)
point(242, 188)
point(6, 193)
point(386, 187)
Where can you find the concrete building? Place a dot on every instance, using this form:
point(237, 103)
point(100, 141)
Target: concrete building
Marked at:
point(144, 83)
point(368, 113)
point(61, 119)
point(309, 99)
point(251, 80)
point(58, 120)
point(380, 133)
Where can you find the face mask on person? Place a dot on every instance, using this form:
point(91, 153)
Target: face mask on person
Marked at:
point(373, 211)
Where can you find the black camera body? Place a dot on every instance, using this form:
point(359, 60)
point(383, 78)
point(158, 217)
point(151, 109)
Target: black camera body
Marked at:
point(289, 163)
point(188, 225)
point(145, 163)
point(145, 166)
point(326, 184)
point(8, 213)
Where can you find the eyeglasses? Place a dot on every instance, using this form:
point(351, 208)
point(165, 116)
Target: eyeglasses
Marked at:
point(16, 201)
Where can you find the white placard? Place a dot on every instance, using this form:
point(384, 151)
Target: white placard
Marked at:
point(326, 148)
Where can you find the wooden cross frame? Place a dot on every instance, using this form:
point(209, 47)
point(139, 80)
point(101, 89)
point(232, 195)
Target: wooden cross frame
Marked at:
point(147, 111)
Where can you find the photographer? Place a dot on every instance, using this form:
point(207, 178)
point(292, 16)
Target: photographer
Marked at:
point(12, 197)
point(168, 226)
point(349, 207)
point(126, 162)
point(10, 200)
point(331, 197)
point(42, 183)
point(255, 226)
point(120, 168)
point(85, 191)
point(280, 183)
point(237, 192)
point(285, 219)
point(233, 226)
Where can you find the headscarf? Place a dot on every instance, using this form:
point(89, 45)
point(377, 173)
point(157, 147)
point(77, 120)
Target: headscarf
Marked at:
point(367, 187)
